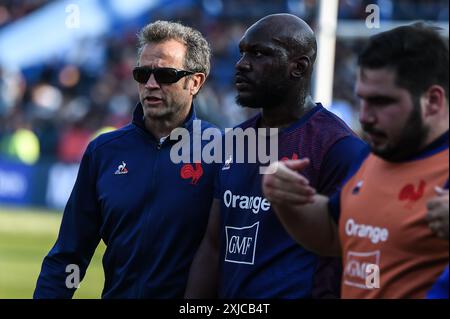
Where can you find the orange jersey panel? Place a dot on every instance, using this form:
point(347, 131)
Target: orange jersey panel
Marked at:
point(383, 222)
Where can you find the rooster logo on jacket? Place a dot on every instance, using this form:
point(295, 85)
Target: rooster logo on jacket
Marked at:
point(190, 172)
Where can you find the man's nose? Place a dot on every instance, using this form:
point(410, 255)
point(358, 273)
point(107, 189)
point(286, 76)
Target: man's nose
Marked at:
point(151, 82)
point(243, 64)
point(366, 114)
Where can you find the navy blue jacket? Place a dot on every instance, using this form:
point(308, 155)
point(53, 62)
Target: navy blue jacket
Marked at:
point(150, 212)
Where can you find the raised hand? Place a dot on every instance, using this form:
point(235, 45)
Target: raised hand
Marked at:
point(286, 186)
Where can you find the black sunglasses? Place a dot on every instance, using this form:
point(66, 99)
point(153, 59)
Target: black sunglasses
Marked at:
point(162, 75)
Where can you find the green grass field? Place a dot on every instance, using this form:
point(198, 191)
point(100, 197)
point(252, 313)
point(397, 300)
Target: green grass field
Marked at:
point(26, 236)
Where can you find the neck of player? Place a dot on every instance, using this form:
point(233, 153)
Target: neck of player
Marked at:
point(285, 114)
point(163, 126)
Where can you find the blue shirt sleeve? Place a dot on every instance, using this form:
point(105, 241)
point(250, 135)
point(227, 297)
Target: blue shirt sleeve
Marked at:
point(78, 237)
point(440, 288)
point(334, 206)
point(337, 163)
point(341, 163)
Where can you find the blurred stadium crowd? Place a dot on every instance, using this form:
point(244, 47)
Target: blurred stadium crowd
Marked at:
point(49, 112)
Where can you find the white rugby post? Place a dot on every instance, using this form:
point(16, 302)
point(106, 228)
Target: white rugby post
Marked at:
point(326, 43)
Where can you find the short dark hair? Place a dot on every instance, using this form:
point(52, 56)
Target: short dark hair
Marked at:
point(417, 53)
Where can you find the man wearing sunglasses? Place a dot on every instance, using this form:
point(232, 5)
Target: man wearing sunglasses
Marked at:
point(246, 253)
point(150, 212)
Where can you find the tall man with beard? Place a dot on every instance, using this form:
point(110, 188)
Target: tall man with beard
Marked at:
point(391, 245)
point(246, 253)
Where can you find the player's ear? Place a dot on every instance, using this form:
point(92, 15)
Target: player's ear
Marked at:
point(197, 81)
point(434, 101)
point(300, 66)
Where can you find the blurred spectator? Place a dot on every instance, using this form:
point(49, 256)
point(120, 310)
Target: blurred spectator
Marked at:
point(20, 143)
point(72, 143)
point(11, 10)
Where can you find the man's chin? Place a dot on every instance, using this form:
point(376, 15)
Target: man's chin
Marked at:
point(156, 113)
point(245, 100)
point(379, 152)
point(391, 155)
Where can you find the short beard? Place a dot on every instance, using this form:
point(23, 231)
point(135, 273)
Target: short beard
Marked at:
point(266, 95)
point(414, 135)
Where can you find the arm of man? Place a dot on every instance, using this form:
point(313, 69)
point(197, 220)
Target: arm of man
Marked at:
point(303, 213)
point(78, 237)
point(337, 166)
point(204, 272)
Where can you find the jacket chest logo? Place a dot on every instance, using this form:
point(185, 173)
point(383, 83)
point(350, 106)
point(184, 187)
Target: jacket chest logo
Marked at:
point(190, 172)
point(121, 169)
point(412, 194)
point(227, 164)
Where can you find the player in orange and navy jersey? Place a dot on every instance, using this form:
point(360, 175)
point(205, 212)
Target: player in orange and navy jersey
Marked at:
point(378, 221)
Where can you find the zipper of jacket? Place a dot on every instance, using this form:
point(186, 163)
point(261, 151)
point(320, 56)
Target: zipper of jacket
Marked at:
point(141, 285)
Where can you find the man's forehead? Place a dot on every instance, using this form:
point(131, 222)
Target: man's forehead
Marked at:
point(258, 36)
point(263, 29)
point(170, 51)
point(380, 74)
point(378, 77)
point(375, 81)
